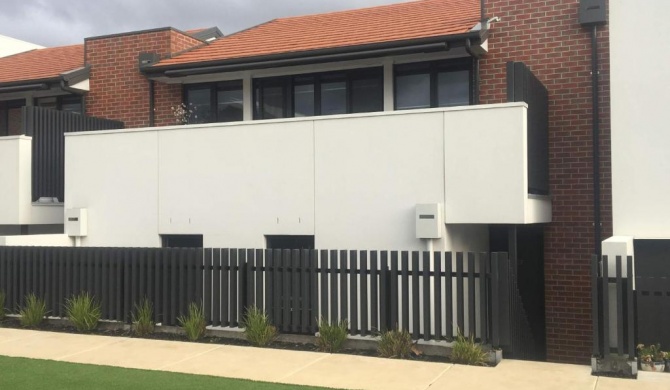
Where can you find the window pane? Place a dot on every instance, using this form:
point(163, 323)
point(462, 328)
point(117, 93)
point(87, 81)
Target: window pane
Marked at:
point(273, 102)
point(412, 91)
point(48, 102)
point(303, 98)
point(71, 104)
point(453, 88)
point(229, 105)
point(198, 107)
point(367, 95)
point(334, 98)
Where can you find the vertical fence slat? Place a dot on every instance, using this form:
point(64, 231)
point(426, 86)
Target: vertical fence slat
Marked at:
point(630, 323)
point(314, 309)
point(460, 296)
point(495, 300)
point(278, 297)
point(374, 294)
point(605, 306)
point(258, 273)
point(437, 296)
point(295, 290)
point(416, 298)
point(207, 280)
point(619, 306)
point(472, 326)
point(384, 300)
point(353, 291)
point(323, 270)
point(334, 316)
point(394, 292)
point(364, 292)
point(427, 336)
point(595, 306)
point(404, 281)
point(234, 277)
point(174, 270)
point(217, 276)
point(305, 292)
point(286, 290)
point(227, 292)
point(483, 297)
point(269, 286)
point(344, 290)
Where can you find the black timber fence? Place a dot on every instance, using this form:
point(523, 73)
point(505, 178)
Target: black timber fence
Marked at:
point(610, 284)
point(432, 295)
point(47, 128)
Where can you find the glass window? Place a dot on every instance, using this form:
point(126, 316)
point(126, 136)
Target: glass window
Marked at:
point(303, 100)
point(334, 98)
point(273, 102)
point(229, 105)
point(412, 91)
point(198, 106)
point(367, 95)
point(453, 88)
point(48, 102)
point(71, 104)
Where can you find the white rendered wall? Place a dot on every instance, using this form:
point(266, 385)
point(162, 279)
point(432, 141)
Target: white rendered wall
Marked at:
point(60, 240)
point(15, 180)
point(10, 46)
point(640, 131)
point(351, 181)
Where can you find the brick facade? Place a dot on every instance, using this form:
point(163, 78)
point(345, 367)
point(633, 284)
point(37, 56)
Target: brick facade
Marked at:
point(117, 88)
point(546, 35)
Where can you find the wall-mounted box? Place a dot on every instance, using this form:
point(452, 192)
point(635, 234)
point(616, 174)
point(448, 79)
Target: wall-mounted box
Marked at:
point(592, 12)
point(76, 222)
point(429, 220)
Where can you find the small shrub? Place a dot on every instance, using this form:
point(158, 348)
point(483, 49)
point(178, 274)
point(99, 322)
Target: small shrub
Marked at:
point(83, 311)
point(143, 322)
point(194, 323)
point(466, 351)
point(3, 313)
point(257, 327)
point(332, 336)
point(33, 312)
point(395, 344)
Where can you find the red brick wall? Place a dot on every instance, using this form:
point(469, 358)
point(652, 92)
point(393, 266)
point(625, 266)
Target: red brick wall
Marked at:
point(119, 90)
point(546, 35)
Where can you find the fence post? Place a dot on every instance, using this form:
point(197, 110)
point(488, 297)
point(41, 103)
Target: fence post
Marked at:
point(595, 305)
point(631, 307)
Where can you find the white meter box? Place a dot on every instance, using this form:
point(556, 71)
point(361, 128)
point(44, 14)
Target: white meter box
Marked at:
point(76, 222)
point(429, 220)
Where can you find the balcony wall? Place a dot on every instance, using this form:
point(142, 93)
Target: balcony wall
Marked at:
point(15, 176)
point(351, 181)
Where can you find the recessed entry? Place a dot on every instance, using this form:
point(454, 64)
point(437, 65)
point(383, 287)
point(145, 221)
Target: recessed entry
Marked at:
point(289, 242)
point(182, 240)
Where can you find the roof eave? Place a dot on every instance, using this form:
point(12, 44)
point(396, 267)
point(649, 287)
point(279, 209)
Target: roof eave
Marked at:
point(318, 56)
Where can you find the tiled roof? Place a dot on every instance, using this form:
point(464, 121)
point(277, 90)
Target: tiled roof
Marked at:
point(41, 64)
point(389, 23)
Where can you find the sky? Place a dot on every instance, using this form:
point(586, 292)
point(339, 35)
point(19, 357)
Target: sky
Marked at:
point(64, 22)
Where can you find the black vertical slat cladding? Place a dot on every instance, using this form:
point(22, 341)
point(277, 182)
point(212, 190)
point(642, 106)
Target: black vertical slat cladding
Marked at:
point(605, 306)
point(286, 290)
point(595, 306)
point(234, 277)
point(495, 301)
point(323, 270)
point(404, 281)
point(353, 291)
point(333, 293)
point(226, 294)
point(344, 290)
point(67, 290)
point(296, 297)
point(619, 307)
point(394, 292)
point(505, 308)
point(126, 269)
point(374, 292)
point(269, 285)
point(245, 291)
point(437, 297)
point(182, 292)
point(97, 275)
point(199, 271)
point(134, 277)
point(314, 310)
point(217, 276)
point(174, 270)
point(460, 296)
point(630, 323)
point(483, 296)
point(384, 299)
point(165, 293)
point(278, 297)
point(364, 292)
point(305, 292)
point(426, 297)
point(416, 298)
point(258, 273)
point(472, 325)
point(207, 284)
point(62, 289)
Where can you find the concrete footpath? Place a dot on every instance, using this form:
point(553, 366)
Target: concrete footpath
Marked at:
point(308, 368)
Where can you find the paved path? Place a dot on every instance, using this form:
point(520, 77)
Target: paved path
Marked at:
point(308, 368)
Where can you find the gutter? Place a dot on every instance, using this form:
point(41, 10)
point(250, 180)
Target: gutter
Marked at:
point(25, 87)
point(322, 55)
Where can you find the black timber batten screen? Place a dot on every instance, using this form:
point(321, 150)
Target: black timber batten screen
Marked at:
point(47, 127)
point(523, 86)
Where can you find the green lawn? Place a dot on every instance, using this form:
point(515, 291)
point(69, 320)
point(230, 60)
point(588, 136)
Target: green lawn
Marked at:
point(19, 373)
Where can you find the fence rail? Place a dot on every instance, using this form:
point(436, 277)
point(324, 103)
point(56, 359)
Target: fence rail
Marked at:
point(431, 295)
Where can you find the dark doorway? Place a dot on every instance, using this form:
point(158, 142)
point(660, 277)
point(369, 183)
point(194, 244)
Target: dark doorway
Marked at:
point(182, 240)
point(290, 242)
point(525, 245)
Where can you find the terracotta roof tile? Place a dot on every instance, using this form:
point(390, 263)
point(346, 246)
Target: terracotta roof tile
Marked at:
point(396, 22)
point(41, 64)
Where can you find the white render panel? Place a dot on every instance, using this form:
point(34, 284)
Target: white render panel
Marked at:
point(351, 181)
point(15, 180)
point(486, 179)
point(640, 130)
point(235, 184)
point(115, 176)
point(370, 174)
point(60, 240)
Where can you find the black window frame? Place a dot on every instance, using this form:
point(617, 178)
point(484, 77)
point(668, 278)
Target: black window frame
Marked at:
point(214, 89)
point(62, 100)
point(317, 79)
point(433, 69)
